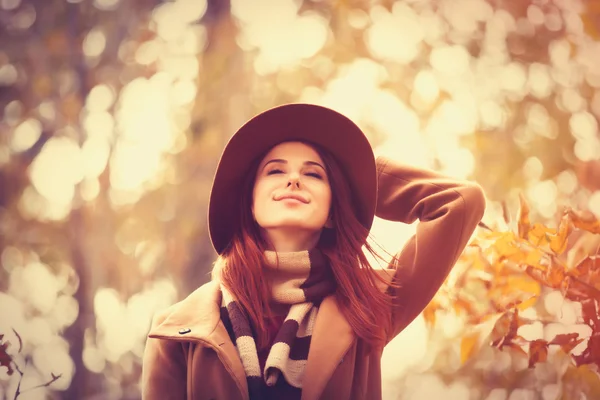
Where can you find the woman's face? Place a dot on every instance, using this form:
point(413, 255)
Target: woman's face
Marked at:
point(291, 189)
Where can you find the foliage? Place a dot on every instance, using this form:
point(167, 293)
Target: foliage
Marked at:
point(7, 360)
point(507, 272)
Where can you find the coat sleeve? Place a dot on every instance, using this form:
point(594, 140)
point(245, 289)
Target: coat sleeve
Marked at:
point(448, 212)
point(164, 369)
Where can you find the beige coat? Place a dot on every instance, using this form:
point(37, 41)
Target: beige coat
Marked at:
point(189, 354)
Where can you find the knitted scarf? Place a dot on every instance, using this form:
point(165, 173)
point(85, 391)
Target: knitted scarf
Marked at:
point(301, 279)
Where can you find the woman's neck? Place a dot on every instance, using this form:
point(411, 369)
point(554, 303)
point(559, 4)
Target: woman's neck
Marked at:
point(284, 240)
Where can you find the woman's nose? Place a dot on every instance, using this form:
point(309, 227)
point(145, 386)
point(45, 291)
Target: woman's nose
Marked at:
point(294, 182)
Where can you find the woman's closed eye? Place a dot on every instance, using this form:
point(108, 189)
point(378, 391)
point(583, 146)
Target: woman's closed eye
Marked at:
point(275, 171)
point(314, 175)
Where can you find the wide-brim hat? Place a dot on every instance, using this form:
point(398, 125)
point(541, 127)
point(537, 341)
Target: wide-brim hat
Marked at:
point(334, 132)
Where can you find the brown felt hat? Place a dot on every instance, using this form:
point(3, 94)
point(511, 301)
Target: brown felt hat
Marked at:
point(304, 122)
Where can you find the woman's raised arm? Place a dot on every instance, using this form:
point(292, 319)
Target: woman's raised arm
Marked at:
point(448, 210)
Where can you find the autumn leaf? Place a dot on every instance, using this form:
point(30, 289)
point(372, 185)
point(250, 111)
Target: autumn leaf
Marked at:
point(505, 246)
point(467, 346)
point(505, 213)
point(523, 284)
point(587, 268)
point(587, 223)
point(538, 234)
point(591, 355)
point(538, 352)
point(559, 241)
point(462, 305)
point(536, 259)
point(523, 219)
point(429, 313)
point(525, 304)
point(567, 341)
point(589, 313)
point(5, 358)
point(583, 378)
point(555, 275)
point(505, 330)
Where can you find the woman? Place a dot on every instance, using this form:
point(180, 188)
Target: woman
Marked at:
point(294, 310)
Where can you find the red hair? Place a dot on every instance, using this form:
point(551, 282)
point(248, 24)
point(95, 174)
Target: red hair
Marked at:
point(366, 307)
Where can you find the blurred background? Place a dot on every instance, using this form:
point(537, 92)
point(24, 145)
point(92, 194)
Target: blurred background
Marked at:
point(113, 114)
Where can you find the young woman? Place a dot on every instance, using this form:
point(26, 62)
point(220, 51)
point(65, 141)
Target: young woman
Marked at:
point(294, 310)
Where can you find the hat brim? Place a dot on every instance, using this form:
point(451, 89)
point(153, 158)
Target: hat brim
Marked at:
point(337, 134)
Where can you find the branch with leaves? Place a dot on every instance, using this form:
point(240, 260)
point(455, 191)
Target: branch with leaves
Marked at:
point(6, 360)
point(507, 272)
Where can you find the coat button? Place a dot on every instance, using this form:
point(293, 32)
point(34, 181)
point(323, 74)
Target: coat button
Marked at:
point(183, 331)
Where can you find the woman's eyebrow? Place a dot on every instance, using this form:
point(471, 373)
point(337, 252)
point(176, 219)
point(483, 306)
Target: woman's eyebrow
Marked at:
point(282, 161)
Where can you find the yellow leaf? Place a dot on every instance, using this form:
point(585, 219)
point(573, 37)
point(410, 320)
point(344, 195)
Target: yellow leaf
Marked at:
point(523, 284)
point(525, 304)
point(535, 258)
point(538, 234)
point(467, 346)
point(505, 245)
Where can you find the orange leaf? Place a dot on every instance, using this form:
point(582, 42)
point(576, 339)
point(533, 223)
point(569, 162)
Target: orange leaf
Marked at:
point(587, 223)
point(467, 346)
point(429, 313)
point(567, 341)
point(505, 213)
point(587, 266)
point(558, 242)
point(538, 352)
point(505, 329)
point(523, 219)
point(555, 275)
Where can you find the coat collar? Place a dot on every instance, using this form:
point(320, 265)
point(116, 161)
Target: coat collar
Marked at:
point(197, 318)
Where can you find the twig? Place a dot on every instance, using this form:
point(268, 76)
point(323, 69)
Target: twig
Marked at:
point(21, 373)
point(20, 340)
point(19, 392)
point(50, 382)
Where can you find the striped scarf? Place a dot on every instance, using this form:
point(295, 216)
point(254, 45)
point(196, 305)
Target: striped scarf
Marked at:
point(301, 279)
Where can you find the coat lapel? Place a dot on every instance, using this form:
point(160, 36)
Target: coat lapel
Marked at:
point(197, 319)
point(332, 337)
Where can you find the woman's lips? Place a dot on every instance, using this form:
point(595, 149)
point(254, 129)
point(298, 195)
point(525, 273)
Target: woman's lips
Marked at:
point(292, 196)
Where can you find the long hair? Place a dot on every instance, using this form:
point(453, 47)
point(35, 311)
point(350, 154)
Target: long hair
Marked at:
point(366, 307)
